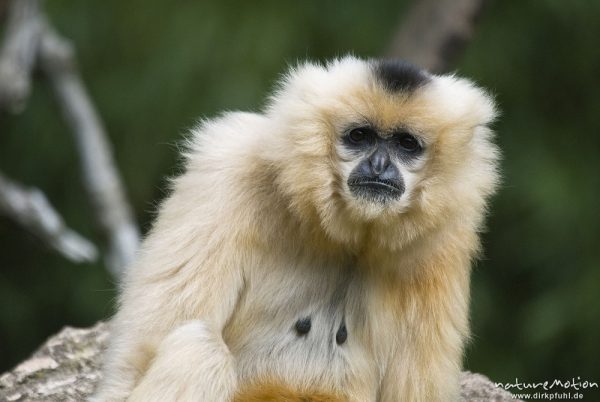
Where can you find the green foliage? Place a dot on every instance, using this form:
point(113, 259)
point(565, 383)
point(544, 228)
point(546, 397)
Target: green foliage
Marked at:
point(536, 304)
point(154, 67)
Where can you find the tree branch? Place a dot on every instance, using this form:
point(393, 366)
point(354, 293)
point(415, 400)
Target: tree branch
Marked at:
point(29, 38)
point(18, 53)
point(31, 209)
point(435, 32)
point(100, 173)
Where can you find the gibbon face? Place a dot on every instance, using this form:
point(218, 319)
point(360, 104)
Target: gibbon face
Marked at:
point(382, 142)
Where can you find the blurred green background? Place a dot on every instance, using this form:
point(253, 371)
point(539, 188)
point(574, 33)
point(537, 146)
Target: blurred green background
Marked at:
point(154, 67)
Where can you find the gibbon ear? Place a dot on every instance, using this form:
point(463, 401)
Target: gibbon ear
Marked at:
point(305, 78)
point(461, 102)
point(318, 84)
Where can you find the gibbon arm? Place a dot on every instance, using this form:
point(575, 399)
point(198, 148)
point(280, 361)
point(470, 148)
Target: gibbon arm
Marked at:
point(427, 362)
point(189, 269)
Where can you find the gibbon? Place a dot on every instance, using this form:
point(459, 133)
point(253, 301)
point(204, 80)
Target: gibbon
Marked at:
point(317, 251)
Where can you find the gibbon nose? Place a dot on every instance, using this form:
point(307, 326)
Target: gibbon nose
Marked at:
point(379, 161)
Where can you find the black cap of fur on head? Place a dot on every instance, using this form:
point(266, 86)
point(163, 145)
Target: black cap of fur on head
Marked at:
point(397, 75)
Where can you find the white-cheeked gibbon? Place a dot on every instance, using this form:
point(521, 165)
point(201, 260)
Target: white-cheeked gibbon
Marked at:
point(317, 251)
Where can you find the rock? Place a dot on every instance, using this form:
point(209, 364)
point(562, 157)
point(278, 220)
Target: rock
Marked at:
point(67, 367)
point(478, 388)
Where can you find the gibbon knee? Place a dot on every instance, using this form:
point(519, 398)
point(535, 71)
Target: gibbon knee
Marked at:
point(191, 364)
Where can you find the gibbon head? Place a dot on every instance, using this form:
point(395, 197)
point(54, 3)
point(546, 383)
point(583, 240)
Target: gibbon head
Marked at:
point(380, 148)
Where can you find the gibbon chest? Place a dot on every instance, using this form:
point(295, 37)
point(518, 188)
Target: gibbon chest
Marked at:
point(308, 324)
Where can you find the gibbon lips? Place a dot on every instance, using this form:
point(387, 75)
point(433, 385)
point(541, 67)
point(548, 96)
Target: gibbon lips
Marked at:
point(376, 189)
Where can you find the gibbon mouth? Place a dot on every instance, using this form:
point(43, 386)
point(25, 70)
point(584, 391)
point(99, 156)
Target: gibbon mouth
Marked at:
point(376, 188)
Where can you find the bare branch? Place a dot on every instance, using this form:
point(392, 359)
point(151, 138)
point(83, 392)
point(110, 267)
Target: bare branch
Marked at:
point(18, 53)
point(101, 178)
point(30, 39)
point(31, 209)
point(435, 32)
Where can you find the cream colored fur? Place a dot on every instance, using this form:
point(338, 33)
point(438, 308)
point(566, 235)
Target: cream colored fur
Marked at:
point(261, 230)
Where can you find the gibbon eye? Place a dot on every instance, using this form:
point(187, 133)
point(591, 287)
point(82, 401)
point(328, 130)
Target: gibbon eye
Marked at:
point(408, 142)
point(360, 135)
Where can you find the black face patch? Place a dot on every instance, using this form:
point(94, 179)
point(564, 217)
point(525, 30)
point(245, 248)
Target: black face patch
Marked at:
point(399, 76)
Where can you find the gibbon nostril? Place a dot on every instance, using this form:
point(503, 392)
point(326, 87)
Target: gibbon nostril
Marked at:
point(303, 326)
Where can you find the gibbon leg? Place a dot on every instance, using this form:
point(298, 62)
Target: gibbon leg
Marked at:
point(192, 364)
